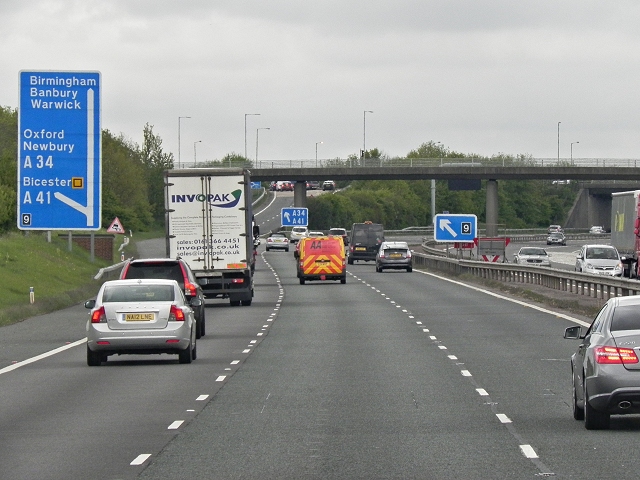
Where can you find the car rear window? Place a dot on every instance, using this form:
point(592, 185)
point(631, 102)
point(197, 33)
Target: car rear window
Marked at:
point(163, 270)
point(324, 246)
point(626, 318)
point(138, 293)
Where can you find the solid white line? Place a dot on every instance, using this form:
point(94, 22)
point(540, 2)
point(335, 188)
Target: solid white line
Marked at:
point(41, 356)
point(502, 297)
point(175, 425)
point(503, 418)
point(140, 459)
point(528, 451)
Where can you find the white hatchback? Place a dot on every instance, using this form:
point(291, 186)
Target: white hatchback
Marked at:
point(297, 233)
point(599, 260)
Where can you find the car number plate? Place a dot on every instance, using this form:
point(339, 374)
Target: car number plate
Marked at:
point(139, 317)
point(395, 255)
point(360, 249)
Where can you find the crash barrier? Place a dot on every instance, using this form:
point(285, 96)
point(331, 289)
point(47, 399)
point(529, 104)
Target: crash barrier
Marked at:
point(561, 280)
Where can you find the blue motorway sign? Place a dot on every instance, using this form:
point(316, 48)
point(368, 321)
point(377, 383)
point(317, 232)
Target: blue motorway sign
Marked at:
point(59, 148)
point(256, 185)
point(455, 228)
point(293, 217)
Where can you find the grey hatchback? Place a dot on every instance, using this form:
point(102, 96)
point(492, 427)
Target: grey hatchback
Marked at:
point(394, 255)
point(606, 369)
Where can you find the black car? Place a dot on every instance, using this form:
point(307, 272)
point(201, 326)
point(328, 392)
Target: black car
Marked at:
point(170, 269)
point(364, 241)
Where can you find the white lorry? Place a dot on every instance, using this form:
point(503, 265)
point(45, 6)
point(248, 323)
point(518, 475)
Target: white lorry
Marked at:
point(625, 229)
point(209, 225)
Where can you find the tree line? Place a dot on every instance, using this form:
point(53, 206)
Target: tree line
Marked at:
point(133, 188)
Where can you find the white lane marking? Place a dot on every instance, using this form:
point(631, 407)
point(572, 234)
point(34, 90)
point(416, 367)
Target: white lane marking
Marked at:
point(235, 362)
point(41, 356)
point(246, 350)
point(265, 326)
point(442, 347)
point(502, 297)
point(260, 334)
point(411, 316)
point(253, 341)
point(221, 378)
point(452, 357)
point(418, 323)
point(201, 398)
point(528, 451)
point(503, 418)
point(175, 425)
point(432, 337)
point(465, 373)
point(482, 392)
point(140, 459)
point(425, 330)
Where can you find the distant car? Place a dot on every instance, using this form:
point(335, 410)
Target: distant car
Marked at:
point(532, 256)
point(328, 185)
point(396, 255)
point(313, 185)
point(316, 234)
point(340, 232)
point(143, 316)
point(298, 233)
point(554, 228)
point(596, 230)
point(277, 241)
point(556, 238)
point(605, 370)
point(170, 269)
point(599, 260)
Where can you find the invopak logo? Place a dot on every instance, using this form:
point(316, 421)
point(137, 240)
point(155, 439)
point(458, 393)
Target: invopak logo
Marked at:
point(220, 200)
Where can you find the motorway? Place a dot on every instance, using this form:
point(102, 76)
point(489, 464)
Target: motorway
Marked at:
point(393, 375)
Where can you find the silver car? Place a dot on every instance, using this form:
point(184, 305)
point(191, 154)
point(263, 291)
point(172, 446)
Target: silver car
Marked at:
point(599, 260)
point(394, 255)
point(532, 256)
point(606, 369)
point(144, 316)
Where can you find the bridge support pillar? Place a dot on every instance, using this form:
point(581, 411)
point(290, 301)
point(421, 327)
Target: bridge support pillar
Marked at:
point(492, 208)
point(300, 194)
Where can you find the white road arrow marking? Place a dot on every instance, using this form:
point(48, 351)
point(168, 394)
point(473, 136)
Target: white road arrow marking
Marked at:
point(444, 225)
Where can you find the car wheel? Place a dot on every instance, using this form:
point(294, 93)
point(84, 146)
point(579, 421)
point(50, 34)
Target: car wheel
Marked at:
point(286, 249)
point(194, 351)
point(94, 359)
point(409, 269)
point(267, 249)
point(350, 261)
point(578, 413)
point(202, 324)
point(593, 419)
point(184, 356)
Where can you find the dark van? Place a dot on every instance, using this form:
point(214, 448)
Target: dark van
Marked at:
point(364, 241)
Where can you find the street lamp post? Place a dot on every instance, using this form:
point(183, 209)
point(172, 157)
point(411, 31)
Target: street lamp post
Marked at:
point(179, 118)
point(364, 134)
point(257, 140)
point(317, 153)
point(572, 151)
point(195, 159)
point(245, 133)
point(559, 141)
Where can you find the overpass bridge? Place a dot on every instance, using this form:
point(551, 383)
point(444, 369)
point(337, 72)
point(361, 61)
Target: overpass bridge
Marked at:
point(597, 176)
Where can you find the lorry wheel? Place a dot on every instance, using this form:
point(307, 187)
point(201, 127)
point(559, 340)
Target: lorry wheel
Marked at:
point(234, 303)
point(301, 281)
point(246, 303)
point(343, 280)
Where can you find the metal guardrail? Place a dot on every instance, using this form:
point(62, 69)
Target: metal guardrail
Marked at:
point(561, 280)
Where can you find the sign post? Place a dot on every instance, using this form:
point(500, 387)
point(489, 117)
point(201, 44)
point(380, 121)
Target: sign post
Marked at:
point(59, 151)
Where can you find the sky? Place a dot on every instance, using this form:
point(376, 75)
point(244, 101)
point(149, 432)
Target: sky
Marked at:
point(482, 77)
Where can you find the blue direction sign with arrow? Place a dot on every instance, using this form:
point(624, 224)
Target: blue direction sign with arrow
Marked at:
point(455, 228)
point(59, 148)
point(294, 217)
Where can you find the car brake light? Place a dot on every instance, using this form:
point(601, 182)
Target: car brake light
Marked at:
point(237, 280)
point(176, 314)
point(190, 289)
point(408, 253)
point(381, 254)
point(99, 316)
point(613, 355)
